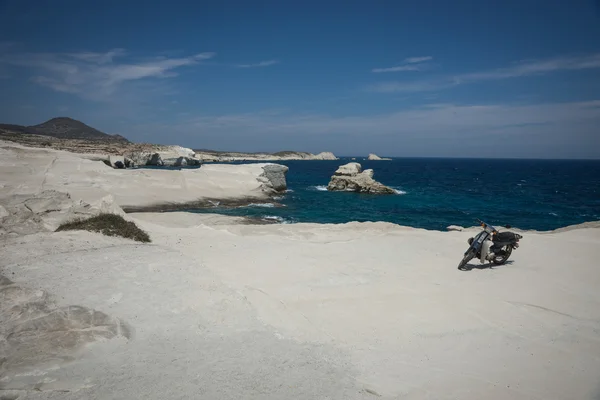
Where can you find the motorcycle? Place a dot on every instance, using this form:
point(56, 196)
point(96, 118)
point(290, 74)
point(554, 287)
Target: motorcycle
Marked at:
point(490, 245)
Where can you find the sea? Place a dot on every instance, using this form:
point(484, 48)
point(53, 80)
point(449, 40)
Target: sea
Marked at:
point(435, 193)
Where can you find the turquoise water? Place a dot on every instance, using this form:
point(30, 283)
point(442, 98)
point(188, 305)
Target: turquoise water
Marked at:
point(435, 193)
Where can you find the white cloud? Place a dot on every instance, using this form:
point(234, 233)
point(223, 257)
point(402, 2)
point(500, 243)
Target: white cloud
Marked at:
point(258, 65)
point(429, 117)
point(413, 60)
point(520, 69)
point(409, 64)
point(95, 75)
point(528, 68)
point(99, 58)
point(55, 84)
point(535, 130)
point(399, 68)
point(411, 86)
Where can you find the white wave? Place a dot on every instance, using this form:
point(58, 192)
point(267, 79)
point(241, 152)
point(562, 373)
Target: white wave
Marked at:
point(269, 205)
point(289, 191)
point(555, 214)
point(320, 188)
point(276, 218)
point(278, 198)
point(398, 191)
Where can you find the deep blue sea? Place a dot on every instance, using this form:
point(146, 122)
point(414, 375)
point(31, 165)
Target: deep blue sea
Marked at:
point(435, 193)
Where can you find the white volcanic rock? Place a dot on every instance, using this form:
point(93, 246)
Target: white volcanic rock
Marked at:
point(178, 156)
point(48, 187)
point(375, 157)
point(349, 178)
point(274, 177)
point(166, 156)
point(213, 156)
point(349, 169)
point(326, 155)
point(116, 161)
point(45, 211)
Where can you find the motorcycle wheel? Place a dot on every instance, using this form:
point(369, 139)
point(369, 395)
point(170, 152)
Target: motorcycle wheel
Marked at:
point(463, 263)
point(501, 259)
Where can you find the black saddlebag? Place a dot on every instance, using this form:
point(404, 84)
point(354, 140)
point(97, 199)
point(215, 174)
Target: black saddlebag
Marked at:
point(505, 237)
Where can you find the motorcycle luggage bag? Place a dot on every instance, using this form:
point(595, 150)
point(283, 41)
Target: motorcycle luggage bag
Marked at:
point(505, 237)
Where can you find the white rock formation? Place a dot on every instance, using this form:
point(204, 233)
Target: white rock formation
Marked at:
point(349, 178)
point(211, 156)
point(178, 156)
point(49, 187)
point(375, 157)
point(45, 211)
point(116, 161)
point(297, 311)
point(349, 169)
point(273, 177)
point(454, 228)
point(168, 156)
point(326, 155)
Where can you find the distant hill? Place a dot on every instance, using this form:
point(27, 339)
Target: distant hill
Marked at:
point(63, 128)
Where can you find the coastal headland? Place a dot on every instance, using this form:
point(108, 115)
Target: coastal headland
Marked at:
point(216, 307)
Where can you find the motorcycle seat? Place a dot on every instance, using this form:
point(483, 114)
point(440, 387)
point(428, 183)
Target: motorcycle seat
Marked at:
point(505, 237)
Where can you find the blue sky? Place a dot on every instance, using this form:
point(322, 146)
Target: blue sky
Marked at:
point(398, 78)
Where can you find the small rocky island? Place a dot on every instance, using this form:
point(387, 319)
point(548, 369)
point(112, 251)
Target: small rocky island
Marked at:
point(351, 178)
point(375, 157)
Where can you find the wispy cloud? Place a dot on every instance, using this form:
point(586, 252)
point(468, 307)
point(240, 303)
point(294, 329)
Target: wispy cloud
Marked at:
point(99, 58)
point(6, 45)
point(408, 64)
point(399, 68)
point(427, 117)
point(482, 130)
point(516, 70)
point(535, 67)
point(266, 63)
point(411, 86)
point(413, 60)
point(95, 75)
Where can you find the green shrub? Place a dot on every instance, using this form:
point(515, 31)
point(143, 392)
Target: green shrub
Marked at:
point(109, 225)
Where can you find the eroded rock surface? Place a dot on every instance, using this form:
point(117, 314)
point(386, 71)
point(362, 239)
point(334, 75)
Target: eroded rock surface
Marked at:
point(170, 156)
point(45, 211)
point(273, 177)
point(351, 178)
point(349, 169)
point(34, 331)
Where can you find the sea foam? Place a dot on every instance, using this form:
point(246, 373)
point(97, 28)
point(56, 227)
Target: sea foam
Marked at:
point(268, 205)
point(276, 218)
